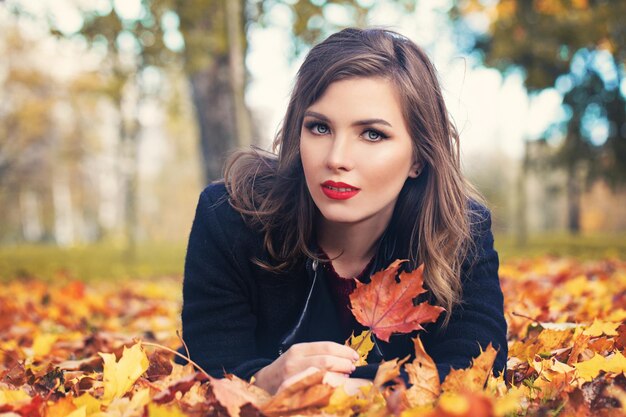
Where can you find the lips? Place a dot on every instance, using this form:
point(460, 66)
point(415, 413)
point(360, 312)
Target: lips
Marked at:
point(339, 190)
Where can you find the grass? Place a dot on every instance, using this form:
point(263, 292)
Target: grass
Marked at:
point(92, 262)
point(111, 262)
point(596, 246)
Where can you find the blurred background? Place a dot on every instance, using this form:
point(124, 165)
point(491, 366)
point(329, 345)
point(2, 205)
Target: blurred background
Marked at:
point(114, 115)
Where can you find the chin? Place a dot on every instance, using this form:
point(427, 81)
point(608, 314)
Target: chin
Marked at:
point(343, 217)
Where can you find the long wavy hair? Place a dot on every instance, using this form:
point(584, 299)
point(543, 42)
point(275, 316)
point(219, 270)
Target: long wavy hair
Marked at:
point(431, 219)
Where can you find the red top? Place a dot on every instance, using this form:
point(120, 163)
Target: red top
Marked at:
point(340, 289)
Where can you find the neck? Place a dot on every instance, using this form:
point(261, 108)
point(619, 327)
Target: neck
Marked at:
point(354, 243)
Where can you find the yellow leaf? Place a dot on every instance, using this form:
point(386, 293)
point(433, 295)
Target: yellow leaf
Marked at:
point(590, 369)
point(598, 328)
point(120, 376)
point(79, 412)
point(42, 345)
point(90, 403)
point(13, 396)
point(140, 399)
point(616, 363)
point(511, 402)
point(454, 404)
point(617, 315)
point(343, 404)
point(363, 344)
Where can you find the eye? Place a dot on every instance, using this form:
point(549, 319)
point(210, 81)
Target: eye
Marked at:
point(374, 135)
point(317, 128)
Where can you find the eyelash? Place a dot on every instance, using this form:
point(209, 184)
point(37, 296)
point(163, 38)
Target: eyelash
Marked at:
point(312, 125)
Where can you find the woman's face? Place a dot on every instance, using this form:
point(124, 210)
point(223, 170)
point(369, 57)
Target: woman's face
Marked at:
point(356, 151)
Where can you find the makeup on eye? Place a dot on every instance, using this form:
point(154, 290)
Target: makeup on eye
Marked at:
point(321, 128)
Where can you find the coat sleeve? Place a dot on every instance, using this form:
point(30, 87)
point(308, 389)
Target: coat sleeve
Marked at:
point(479, 320)
point(217, 317)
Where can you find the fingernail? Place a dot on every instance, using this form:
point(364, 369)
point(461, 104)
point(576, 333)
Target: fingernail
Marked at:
point(356, 356)
point(353, 367)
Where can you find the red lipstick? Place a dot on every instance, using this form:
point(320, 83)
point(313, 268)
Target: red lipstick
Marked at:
point(339, 190)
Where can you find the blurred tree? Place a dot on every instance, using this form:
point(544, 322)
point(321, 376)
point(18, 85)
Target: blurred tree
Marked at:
point(210, 36)
point(44, 140)
point(577, 46)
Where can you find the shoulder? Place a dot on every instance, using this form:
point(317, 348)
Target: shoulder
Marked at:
point(217, 217)
point(479, 219)
point(481, 248)
point(215, 202)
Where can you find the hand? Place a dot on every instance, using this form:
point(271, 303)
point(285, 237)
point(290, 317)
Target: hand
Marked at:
point(326, 356)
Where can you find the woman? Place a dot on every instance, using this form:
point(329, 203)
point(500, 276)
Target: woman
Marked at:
point(367, 171)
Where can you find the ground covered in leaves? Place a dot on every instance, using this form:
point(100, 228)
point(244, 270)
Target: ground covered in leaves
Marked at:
point(99, 350)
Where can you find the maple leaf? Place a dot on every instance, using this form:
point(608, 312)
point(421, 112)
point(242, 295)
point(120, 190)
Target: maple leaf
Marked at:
point(386, 306)
point(424, 377)
point(362, 344)
point(474, 377)
point(307, 393)
point(598, 328)
point(388, 371)
point(590, 369)
point(120, 376)
point(233, 393)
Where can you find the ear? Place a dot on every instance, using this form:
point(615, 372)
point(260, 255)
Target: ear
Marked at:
point(415, 170)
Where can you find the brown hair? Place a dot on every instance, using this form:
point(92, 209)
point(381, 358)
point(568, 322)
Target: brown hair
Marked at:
point(431, 220)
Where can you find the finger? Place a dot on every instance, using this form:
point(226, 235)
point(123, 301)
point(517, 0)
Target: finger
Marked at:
point(326, 348)
point(332, 363)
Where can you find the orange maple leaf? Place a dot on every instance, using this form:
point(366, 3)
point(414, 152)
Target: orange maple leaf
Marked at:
point(386, 306)
point(474, 377)
point(423, 376)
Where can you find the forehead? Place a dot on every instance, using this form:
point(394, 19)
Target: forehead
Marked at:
point(360, 98)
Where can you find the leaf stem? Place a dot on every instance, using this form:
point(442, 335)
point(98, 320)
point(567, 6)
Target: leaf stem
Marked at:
point(180, 355)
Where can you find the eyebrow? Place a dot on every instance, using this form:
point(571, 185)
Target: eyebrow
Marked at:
point(357, 123)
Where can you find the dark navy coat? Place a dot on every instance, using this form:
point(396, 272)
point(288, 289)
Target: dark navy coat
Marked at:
point(238, 318)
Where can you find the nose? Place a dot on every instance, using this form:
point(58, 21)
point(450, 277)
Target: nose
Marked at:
point(339, 156)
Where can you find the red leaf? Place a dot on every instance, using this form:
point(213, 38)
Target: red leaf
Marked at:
point(386, 306)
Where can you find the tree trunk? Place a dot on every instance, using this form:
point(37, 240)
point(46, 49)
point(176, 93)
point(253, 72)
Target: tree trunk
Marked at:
point(30, 214)
point(213, 101)
point(522, 206)
point(63, 210)
point(573, 200)
point(236, 46)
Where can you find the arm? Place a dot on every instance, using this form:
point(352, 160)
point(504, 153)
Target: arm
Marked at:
point(218, 322)
point(219, 319)
point(479, 320)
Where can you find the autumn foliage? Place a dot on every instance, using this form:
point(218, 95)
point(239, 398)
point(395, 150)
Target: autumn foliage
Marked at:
point(101, 350)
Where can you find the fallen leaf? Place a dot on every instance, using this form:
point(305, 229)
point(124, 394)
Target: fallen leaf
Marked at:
point(423, 377)
point(388, 371)
point(305, 394)
point(598, 328)
point(386, 306)
point(474, 377)
point(588, 370)
point(120, 376)
point(233, 392)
